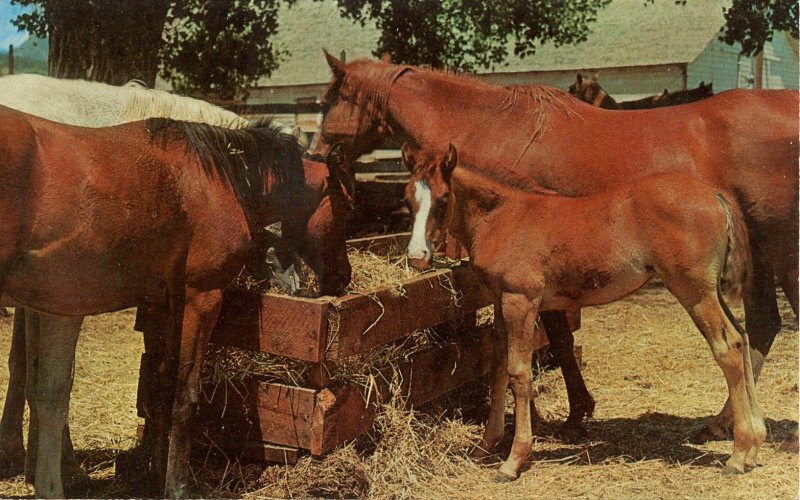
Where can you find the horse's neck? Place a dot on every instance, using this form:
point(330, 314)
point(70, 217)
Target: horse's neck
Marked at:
point(476, 199)
point(439, 113)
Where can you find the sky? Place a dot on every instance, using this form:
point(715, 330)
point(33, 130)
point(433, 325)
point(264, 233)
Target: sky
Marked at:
point(8, 32)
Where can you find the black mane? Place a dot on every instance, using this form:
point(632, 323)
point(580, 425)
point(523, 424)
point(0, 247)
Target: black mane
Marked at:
point(241, 158)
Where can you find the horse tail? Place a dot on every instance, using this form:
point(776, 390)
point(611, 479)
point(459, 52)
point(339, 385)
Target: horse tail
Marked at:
point(736, 275)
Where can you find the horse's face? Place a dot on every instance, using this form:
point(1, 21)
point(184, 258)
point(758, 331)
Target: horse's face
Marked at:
point(319, 235)
point(427, 195)
point(587, 89)
point(346, 121)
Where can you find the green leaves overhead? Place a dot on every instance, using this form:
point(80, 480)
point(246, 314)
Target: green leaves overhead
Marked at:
point(753, 22)
point(471, 34)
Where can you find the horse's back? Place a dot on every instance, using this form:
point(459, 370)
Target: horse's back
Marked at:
point(95, 104)
point(77, 102)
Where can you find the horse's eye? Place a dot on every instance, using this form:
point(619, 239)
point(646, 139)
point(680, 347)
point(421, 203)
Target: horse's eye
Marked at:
point(443, 200)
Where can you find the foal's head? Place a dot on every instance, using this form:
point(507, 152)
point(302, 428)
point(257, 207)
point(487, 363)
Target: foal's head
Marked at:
point(427, 195)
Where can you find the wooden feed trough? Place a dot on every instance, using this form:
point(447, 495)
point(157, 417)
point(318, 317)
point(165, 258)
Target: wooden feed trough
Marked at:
point(276, 422)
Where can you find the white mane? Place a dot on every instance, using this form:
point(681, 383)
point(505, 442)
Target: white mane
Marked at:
point(92, 104)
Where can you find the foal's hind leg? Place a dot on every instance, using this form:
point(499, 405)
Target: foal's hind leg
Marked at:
point(763, 322)
point(730, 352)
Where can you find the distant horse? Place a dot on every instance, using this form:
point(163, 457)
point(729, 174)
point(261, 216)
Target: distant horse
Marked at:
point(544, 135)
point(88, 104)
point(588, 90)
point(156, 212)
point(525, 258)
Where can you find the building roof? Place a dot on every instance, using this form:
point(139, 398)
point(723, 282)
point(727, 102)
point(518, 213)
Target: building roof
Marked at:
point(627, 33)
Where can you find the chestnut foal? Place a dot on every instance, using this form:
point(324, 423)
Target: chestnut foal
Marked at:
point(534, 251)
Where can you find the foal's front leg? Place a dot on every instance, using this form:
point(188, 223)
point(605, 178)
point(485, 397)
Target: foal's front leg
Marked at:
point(495, 424)
point(519, 313)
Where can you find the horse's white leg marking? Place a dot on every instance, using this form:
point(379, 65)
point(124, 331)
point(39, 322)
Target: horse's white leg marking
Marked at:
point(418, 247)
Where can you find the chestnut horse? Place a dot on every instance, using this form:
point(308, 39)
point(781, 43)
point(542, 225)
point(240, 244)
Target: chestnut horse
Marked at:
point(533, 251)
point(156, 212)
point(88, 104)
point(562, 144)
point(588, 90)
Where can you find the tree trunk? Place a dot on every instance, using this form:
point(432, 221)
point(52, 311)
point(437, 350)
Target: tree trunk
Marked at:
point(109, 41)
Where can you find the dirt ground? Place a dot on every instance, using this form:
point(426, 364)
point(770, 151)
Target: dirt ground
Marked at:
point(648, 368)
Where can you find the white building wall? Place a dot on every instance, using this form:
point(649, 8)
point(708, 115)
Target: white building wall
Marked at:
point(721, 64)
point(718, 64)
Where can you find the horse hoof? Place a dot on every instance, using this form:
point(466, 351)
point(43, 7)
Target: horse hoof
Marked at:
point(572, 434)
point(10, 467)
point(706, 434)
point(478, 453)
point(731, 471)
point(502, 477)
point(76, 480)
point(790, 445)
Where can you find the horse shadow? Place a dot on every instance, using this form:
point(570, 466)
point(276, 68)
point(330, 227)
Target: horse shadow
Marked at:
point(650, 436)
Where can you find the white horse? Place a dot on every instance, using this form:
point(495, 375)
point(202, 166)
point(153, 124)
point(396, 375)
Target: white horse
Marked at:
point(88, 104)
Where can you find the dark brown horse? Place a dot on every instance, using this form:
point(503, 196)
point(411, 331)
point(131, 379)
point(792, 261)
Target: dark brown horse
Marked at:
point(156, 212)
point(544, 135)
point(588, 90)
point(670, 225)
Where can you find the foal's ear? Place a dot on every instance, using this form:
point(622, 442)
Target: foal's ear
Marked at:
point(580, 79)
point(450, 160)
point(336, 65)
point(407, 157)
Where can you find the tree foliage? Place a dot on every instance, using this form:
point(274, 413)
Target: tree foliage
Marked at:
point(202, 46)
point(220, 47)
point(752, 23)
point(471, 34)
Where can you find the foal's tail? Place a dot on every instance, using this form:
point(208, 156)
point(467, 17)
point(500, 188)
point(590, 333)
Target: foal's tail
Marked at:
point(737, 272)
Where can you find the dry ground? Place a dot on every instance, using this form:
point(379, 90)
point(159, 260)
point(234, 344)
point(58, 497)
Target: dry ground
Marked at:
point(650, 371)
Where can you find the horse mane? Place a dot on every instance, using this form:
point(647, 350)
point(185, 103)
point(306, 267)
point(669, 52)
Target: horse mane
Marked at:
point(144, 103)
point(371, 83)
point(243, 158)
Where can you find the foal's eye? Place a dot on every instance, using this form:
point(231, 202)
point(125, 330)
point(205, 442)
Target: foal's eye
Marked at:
point(443, 201)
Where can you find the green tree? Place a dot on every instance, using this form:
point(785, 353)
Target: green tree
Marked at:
point(471, 34)
point(752, 23)
point(212, 46)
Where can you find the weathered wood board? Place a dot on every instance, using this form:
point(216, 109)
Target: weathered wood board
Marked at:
point(330, 328)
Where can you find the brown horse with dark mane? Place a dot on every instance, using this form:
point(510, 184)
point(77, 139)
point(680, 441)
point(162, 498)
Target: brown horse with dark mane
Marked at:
point(156, 212)
point(544, 135)
point(669, 225)
point(588, 90)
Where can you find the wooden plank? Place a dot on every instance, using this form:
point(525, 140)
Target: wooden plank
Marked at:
point(259, 412)
point(340, 415)
point(286, 326)
point(363, 322)
point(320, 420)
